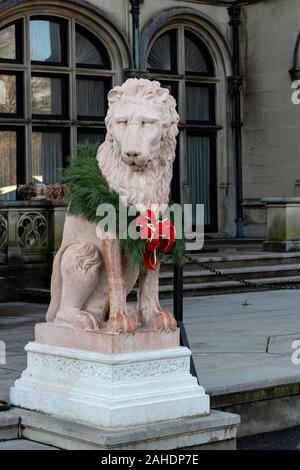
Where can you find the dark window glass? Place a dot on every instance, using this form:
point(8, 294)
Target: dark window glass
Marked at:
point(8, 94)
point(47, 96)
point(8, 165)
point(46, 41)
point(200, 104)
point(89, 51)
point(47, 155)
point(162, 56)
point(91, 98)
point(201, 175)
point(93, 136)
point(197, 58)
point(198, 152)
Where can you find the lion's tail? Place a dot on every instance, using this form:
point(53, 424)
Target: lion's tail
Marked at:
point(56, 286)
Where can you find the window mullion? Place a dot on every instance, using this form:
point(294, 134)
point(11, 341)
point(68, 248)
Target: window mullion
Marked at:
point(96, 72)
point(181, 71)
point(180, 54)
point(182, 113)
point(49, 69)
point(72, 85)
point(27, 101)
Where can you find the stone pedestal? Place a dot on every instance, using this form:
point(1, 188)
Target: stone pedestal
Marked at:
point(109, 388)
point(283, 224)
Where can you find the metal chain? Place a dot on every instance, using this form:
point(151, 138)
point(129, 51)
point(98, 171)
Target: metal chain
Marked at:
point(243, 282)
point(31, 292)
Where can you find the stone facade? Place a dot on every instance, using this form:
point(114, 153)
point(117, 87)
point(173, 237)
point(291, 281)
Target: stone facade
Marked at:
point(270, 142)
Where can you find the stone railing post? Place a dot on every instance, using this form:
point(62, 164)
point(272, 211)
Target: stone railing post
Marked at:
point(57, 214)
point(14, 253)
point(283, 224)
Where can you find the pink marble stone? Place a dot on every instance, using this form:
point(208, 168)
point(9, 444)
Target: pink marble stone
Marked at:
point(103, 342)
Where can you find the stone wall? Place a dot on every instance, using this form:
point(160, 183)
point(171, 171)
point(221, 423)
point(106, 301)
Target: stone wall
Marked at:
point(271, 131)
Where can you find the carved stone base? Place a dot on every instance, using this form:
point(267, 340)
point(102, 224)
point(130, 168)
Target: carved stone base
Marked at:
point(102, 342)
point(109, 389)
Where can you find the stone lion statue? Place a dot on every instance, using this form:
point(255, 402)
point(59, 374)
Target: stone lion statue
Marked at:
point(92, 277)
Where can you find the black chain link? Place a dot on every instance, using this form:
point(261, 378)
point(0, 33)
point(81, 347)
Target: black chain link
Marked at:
point(243, 282)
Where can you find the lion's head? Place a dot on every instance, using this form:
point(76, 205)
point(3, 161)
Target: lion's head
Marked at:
point(137, 155)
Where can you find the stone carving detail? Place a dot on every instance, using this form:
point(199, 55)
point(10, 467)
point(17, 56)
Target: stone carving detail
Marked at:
point(91, 278)
point(32, 230)
point(3, 231)
point(76, 368)
point(151, 369)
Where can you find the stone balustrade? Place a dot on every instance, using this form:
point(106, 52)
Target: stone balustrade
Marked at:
point(30, 231)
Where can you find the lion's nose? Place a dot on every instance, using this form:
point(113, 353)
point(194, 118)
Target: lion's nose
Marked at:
point(132, 154)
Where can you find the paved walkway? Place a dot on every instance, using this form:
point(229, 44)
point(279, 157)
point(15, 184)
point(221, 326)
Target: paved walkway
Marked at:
point(24, 444)
point(239, 341)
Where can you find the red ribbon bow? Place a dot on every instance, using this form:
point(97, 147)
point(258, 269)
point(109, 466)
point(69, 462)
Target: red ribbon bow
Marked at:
point(160, 235)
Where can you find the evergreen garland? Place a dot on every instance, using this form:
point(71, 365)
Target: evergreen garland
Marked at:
point(88, 189)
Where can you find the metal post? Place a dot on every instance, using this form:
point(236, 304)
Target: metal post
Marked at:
point(135, 13)
point(235, 85)
point(178, 274)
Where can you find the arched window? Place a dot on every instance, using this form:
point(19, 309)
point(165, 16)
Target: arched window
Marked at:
point(180, 60)
point(54, 77)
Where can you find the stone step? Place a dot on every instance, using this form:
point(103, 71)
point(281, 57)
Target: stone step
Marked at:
point(269, 268)
point(213, 285)
point(257, 272)
point(38, 431)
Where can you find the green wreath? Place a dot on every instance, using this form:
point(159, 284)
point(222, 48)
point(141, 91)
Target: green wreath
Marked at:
point(88, 189)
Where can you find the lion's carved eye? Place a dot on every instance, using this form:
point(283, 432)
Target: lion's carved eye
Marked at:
point(145, 123)
point(123, 122)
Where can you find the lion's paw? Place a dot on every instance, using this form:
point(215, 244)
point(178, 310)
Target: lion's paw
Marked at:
point(79, 319)
point(86, 321)
point(162, 321)
point(133, 312)
point(122, 323)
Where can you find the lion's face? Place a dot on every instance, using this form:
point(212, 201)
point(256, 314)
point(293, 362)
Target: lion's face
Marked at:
point(137, 130)
point(137, 155)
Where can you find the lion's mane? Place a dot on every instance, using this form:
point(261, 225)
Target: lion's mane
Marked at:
point(154, 185)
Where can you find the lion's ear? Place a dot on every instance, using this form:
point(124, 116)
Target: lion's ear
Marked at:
point(115, 94)
point(162, 94)
point(107, 121)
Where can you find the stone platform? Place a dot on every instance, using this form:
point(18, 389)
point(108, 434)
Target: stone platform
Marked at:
point(214, 432)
